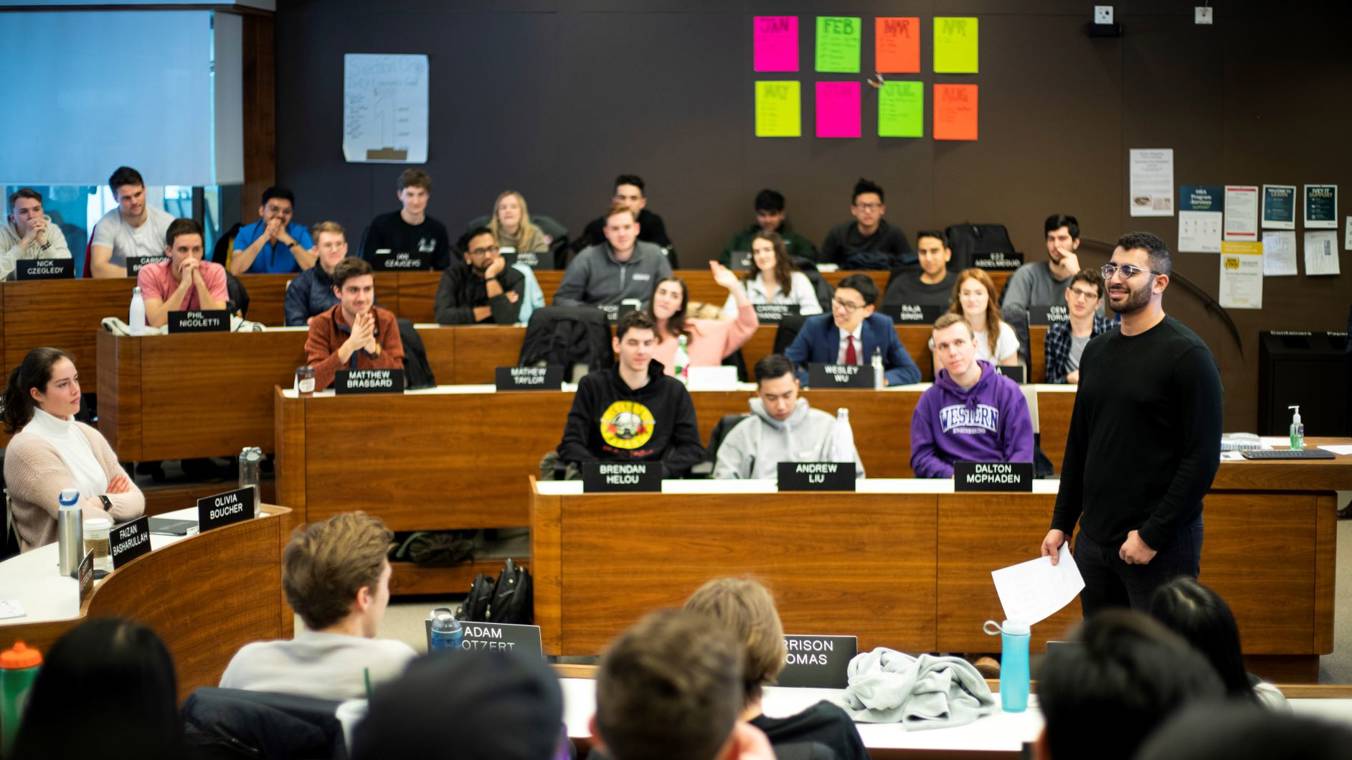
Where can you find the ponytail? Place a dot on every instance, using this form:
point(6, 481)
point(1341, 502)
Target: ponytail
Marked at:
point(35, 371)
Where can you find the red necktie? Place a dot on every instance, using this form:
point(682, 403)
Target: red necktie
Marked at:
point(850, 356)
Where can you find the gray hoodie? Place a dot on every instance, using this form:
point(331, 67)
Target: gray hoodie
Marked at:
point(596, 278)
point(756, 446)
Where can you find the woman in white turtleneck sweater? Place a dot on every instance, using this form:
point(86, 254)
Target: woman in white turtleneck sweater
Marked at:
point(52, 451)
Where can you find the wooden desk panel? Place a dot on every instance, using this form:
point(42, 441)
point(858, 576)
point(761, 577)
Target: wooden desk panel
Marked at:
point(1053, 413)
point(267, 297)
point(481, 349)
point(417, 295)
point(440, 345)
point(61, 313)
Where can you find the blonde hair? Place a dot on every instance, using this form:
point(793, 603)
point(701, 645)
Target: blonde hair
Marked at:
point(526, 233)
point(992, 311)
point(745, 607)
point(325, 564)
point(332, 228)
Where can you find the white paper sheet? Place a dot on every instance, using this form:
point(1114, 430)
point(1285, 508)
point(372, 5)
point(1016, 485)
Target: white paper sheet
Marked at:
point(1279, 253)
point(385, 108)
point(1241, 212)
point(1199, 231)
point(1152, 182)
point(1347, 235)
point(1341, 451)
point(11, 608)
point(1035, 590)
point(1321, 252)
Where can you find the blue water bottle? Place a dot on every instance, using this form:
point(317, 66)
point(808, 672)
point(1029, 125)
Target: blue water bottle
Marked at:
point(446, 630)
point(1014, 637)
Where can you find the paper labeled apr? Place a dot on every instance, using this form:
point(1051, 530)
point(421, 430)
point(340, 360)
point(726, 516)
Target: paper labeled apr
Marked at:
point(1035, 590)
point(955, 45)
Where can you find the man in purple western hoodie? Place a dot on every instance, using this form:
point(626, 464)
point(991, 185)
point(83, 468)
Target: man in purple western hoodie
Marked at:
point(972, 413)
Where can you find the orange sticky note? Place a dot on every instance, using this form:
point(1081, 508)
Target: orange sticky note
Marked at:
point(897, 45)
point(955, 111)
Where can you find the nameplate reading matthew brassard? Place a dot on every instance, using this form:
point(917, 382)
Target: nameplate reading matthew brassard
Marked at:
point(993, 476)
point(546, 378)
point(621, 476)
point(225, 509)
point(347, 381)
point(816, 476)
point(210, 320)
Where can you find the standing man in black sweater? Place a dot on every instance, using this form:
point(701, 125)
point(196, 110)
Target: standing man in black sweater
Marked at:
point(1144, 441)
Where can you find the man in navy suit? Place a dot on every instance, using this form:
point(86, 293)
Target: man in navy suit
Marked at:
point(851, 334)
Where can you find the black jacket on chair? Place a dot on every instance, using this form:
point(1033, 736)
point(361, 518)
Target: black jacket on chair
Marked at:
point(568, 335)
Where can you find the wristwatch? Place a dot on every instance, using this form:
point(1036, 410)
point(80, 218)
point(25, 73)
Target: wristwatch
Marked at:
point(107, 502)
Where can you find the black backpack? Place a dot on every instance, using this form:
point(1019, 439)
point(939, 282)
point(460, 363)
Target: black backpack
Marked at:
point(511, 599)
point(970, 241)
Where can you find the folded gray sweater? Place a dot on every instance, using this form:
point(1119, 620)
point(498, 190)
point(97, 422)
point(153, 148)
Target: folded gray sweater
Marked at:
point(886, 686)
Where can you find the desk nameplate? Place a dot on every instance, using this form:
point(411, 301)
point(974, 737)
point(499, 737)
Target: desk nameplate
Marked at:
point(819, 662)
point(993, 476)
point(600, 477)
point(207, 320)
point(816, 476)
point(127, 542)
point(225, 509)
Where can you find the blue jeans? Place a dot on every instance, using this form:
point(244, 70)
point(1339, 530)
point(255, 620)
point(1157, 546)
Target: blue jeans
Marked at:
point(1110, 582)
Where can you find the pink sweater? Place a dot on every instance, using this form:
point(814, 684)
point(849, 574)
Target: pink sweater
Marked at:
point(710, 339)
point(35, 475)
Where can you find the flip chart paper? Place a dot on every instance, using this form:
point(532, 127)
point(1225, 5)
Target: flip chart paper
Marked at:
point(955, 111)
point(779, 109)
point(897, 45)
point(1033, 591)
point(838, 41)
point(776, 39)
point(838, 109)
point(901, 110)
point(955, 45)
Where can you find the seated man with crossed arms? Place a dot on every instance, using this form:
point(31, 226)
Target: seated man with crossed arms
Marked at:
point(355, 334)
point(972, 412)
point(851, 333)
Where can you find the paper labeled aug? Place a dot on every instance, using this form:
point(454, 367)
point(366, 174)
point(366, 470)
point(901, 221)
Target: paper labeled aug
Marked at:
point(1035, 590)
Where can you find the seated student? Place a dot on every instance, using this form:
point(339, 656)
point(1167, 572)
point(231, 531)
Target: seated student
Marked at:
point(1204, 620)
point(336, 577)
point(782, 428)
point(1040, 283)
point(868, 242)
point(851, 334)
point(1122, 677)
point(672, 687)
point(183, 281)
point(619, 268)
point(971, 413)
point(124, 667)
point(1066, 340)
point(708, 341)
point(410, 229)
point(775, 279)
point(1240, 732)
point(30, 233)
point(629, 192)
point(995, 339)
point(311, 291)
point(633, 412)
point(274, 244)
point(134, 228)
point(512, 228)
point(745, 609)
point(482, 289)
point(932, 285)
point(354, 334)
point(474, 704)
point(51, 451)
point(770, 218)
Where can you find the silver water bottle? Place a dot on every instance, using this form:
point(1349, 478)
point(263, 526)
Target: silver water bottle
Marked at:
point(250, 459)
point(70, 532)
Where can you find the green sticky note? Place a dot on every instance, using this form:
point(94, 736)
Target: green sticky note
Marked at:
point(779, 109)
point(838, 41)
point(955, 48)
point(901, 109)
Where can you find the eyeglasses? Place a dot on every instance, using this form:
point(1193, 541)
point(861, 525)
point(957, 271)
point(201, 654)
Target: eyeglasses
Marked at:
point(1128, 271)
point(1086, 295)
point(849, 308)
point(483, 251)
point(868, 206)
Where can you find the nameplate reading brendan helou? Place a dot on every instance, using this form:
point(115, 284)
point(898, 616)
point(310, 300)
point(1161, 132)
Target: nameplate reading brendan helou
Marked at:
point(818, 662)
point(127, 542)
point(225, 509)
point(774, 313)
point(210, 320)
point(547, 378)
point(44, 269)
point(913, 314)
point(599, 477)
point(839, 376)
point(403, 261)
point(136, 263)
point(816, 476)
point(347, 381)
point(993, 476)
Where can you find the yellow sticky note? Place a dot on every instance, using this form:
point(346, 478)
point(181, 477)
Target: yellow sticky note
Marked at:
point(779, 109)
point(955, 45)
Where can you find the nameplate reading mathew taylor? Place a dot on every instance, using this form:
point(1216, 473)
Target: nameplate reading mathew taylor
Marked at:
point(127, 542)
point(621, 476)
point(546, 378)
point(210, 320)
point(817, 662)
point(816, 476)
point(839, 376)
point(346, 381)
point(225, 509)
point(993, 476)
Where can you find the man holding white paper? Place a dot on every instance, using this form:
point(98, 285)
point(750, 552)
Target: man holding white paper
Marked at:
point(1144, 441)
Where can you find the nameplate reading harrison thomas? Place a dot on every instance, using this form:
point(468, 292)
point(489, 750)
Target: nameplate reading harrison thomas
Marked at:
point(816, 476)
point(993, 476)
point(210, 320)
point(225, 509)
point(621, 476)
point(820, 662)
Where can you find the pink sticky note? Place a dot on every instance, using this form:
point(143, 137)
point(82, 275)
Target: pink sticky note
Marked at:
point(838, 109)
point(776, 43)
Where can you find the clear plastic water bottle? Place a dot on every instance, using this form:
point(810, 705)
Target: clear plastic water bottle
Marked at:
point(446, 630)
point(1014, 637)
point(69, 532)
point(842, 437)
point(878, 371)
point(136, 319)
point(681, 368)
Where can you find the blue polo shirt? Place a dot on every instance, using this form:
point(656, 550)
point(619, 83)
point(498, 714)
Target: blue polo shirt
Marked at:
point(273, 258)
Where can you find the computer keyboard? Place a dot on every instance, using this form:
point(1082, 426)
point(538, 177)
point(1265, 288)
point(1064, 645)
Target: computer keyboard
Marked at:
point(1288, 454)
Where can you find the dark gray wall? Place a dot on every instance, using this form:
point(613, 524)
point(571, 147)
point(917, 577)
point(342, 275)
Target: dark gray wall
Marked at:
point(555, 102)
